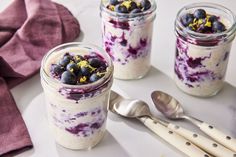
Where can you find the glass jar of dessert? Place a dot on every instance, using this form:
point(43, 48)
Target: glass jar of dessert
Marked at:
point(204, 32)
point(76, 79)
point(127, 35)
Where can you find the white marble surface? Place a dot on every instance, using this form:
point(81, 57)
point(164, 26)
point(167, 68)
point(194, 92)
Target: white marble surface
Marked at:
point(128, 138)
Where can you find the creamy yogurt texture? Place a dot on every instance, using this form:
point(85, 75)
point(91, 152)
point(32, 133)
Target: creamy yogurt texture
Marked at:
point(200, 66)
point(200, 70)
point(78, 125)
point(77, 117)
point(129, 49)
point(128, 42)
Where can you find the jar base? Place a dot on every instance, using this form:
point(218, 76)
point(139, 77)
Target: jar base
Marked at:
point(199, 95)
point(81, 147)
point(132, 78)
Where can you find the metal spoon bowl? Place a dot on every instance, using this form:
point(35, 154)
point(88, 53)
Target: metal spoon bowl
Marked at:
point(167, 105)
point(172, 109)
point(139, 109)
point(132, 108)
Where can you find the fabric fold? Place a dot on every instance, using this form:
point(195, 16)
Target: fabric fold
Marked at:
point(28, 29)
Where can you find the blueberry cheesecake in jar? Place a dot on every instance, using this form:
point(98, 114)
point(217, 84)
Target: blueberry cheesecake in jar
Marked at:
point(204, 32)
point(127, 35)
point(76, 79)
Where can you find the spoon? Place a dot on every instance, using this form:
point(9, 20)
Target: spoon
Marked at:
point(140, 110)
point(172, 109)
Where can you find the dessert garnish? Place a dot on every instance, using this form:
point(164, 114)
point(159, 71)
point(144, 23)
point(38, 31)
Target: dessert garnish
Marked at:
point(128, 6)
point(77, 69)
point(202, 22)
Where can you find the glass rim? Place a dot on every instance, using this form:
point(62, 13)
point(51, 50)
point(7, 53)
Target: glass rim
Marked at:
point(230, 31)
point(127, 15)
point(99, 82)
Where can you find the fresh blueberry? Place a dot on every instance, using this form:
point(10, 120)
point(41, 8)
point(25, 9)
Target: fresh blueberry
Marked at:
point(85, 71)
point(218, 27)
point(121, 9)
point(146, 4)
point(68, 78)
point(95, 62)
point(94, 77)
point(114, 2)
point(133, 6)
point(57, 69)
point(213, 18)
point(102, 68)
point(186, 19)
point(103, 65)
point(72, 67)
point(65, 60)
point(135, 11)
point(199, 14)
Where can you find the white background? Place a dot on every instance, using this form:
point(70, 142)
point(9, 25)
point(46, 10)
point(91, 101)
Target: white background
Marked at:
point(127, 138)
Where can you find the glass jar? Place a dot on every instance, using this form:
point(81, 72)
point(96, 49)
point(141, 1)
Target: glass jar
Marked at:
point(201, 59)
point(76, 113)
point(127, 39)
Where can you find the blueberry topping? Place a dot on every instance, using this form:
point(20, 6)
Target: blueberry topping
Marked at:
point(65, 60)
point(121, 9)
point(133, 6)
point(103, 66)
point(202, 22)
point(85, 71)
point(57, 69)
point(199, 14)
point(146, 4)
point(213, 18)
point(73, 68)
point(187, 19)
point(218, 27)
point(68, 78)
point(128, 6)
point(78, 58)
point(95, 62)
point(77, 69)
point(114, 2)
point(94, 77)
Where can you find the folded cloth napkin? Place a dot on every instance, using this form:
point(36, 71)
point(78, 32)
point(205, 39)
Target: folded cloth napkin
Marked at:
point(28, 29)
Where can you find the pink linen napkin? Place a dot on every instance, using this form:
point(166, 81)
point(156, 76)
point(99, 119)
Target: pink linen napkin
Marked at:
point(28, 29)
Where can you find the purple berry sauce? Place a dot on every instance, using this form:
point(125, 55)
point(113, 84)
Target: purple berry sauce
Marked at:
point(190, 70)
point(77, 94)
point(114, 44)
point(72, 122)
point(119, 24)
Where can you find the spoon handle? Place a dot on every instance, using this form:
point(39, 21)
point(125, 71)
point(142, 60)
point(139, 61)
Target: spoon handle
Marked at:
point(206, 144)
point(174, 139)
point(219, 136)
